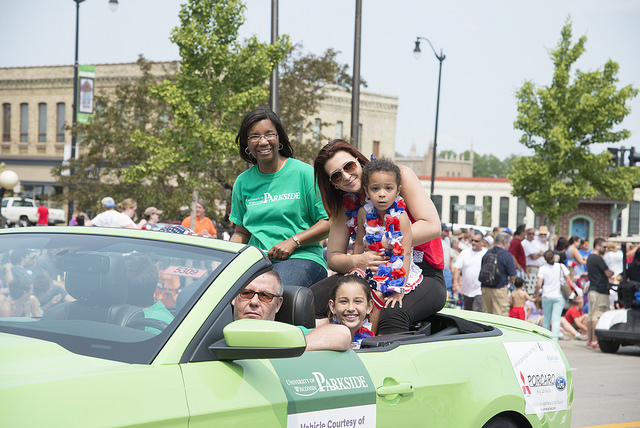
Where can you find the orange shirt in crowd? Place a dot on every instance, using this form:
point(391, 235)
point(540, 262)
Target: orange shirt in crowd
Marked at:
point(201, 225)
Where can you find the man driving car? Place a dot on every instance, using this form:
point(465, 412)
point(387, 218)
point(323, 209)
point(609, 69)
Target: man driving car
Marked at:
point(262, 299)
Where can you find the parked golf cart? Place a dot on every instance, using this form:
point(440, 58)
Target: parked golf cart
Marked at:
point(621, 327)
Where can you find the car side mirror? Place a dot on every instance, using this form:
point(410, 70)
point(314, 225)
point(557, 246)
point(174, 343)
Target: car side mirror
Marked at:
point(255, 339)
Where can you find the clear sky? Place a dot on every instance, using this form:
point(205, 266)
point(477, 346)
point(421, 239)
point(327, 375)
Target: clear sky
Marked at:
point(491, 48)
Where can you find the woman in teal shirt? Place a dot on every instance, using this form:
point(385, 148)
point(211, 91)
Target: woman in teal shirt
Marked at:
point(275, 205)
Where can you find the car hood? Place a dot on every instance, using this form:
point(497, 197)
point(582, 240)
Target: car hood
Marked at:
point(26, 360)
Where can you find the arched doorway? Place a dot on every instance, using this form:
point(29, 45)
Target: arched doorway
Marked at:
point(581, 226)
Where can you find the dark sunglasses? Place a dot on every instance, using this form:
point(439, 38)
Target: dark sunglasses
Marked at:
point(476, 241)
point(349, 167)
point(262, 295)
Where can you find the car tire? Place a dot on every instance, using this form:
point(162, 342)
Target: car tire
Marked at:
point(609, 346)
point(500, 422)
point(23, 222)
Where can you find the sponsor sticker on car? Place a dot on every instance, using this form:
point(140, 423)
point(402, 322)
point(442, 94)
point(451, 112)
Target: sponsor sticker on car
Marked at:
point(541, 374)
point(327, 396)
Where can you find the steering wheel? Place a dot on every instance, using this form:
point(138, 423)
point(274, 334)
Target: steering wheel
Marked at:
point(141, 323)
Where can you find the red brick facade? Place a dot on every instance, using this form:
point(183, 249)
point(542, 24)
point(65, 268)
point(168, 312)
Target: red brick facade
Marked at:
point(599, 212)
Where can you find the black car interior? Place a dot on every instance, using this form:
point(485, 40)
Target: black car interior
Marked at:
point(98, 282)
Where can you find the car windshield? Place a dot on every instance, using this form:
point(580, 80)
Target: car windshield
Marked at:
point(106, 296)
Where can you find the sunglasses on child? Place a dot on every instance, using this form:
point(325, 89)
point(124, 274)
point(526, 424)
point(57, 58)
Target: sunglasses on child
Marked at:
point(262, 295)
point(349, 167)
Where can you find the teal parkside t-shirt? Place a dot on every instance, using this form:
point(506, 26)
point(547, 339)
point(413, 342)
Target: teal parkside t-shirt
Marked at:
point(274, 207)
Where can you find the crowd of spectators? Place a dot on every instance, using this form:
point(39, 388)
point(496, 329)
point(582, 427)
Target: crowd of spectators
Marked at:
point(533, 276)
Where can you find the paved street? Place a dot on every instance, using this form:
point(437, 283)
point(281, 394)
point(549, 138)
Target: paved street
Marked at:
point(606, 386)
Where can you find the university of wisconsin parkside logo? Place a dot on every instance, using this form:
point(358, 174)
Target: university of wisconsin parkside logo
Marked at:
point(319, 383)
point(268, 198)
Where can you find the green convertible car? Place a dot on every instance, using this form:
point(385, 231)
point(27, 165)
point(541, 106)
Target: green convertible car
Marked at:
point(117, 327)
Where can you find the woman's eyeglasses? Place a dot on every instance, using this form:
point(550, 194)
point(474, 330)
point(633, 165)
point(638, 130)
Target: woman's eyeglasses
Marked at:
point(349, 167)
point(262, 295)
point(269, 136)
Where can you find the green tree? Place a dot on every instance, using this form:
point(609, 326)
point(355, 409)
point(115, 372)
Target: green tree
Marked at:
point(106, 149)
point(305, 82)
point(560, 122)
point(508, 163)
point(219, 80)
point(488, 165)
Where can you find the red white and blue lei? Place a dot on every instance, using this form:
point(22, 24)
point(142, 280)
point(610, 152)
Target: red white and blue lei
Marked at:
point(390, 276)
point(361, 334)
point(352, 205)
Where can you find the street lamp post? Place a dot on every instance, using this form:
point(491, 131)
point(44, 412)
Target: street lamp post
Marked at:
point(113, 6)
point(441, 57)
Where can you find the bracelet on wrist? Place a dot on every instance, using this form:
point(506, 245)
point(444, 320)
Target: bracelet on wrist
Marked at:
point(296, 240)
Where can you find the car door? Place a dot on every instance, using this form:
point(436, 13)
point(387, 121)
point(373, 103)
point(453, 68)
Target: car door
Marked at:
point(316, 388)
point(395, 379)
point(236, 393)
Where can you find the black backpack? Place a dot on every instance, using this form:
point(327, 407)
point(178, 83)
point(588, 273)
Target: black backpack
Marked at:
point(490, 271)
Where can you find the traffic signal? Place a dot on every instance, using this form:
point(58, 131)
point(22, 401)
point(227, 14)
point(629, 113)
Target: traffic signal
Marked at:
point(633, 156)
point(615, 158)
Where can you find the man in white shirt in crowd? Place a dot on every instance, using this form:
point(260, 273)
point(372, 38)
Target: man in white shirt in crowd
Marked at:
point(110, 217)
point(534, 249)
point(465, 273)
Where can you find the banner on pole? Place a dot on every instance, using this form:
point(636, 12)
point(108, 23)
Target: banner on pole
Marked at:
point(86, 85)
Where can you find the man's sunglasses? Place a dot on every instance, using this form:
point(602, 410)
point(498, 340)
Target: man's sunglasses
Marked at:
point(262, 295)
point(349, 167)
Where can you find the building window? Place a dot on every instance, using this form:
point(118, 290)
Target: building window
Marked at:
point(504, 212)
point(24, 122)
point(301, 131)
point(616, 224)
point(50, 195)
point(453, 213)
point(60, 122)
point(634, 218)
point(521, 212)
point(359, 137)
point(437, 201)
point(42, 122)
point(376, 149)
point(317, 127)
point(6, 122)
point(339, 127)
point(470, 214)
point(487, 203)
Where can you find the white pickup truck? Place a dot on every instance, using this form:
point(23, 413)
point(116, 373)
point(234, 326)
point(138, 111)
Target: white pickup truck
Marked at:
point(23, 212)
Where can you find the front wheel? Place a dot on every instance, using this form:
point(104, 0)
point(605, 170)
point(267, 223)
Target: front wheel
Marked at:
point(609, 346)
